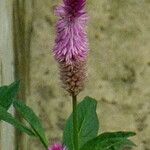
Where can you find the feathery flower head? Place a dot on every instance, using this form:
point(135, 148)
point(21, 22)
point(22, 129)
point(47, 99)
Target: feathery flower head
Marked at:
point(57, 147)
point(71, 42)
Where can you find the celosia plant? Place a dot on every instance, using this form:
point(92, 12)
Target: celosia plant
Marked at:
point(71, 52)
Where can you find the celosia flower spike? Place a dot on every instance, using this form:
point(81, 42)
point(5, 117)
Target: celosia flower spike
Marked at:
point(71, 44)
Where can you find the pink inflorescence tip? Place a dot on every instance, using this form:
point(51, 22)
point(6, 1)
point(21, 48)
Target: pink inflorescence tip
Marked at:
point(71, 44)
point(57, 147)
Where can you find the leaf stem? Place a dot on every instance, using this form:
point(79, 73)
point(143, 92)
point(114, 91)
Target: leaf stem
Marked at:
point(75, 123)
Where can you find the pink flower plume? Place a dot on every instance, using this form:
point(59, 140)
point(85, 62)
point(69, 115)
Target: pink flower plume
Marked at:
point(71, 43)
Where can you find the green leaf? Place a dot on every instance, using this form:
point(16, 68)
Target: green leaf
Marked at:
point(88, 124)
point(109, 141)
point(7, 117)
point(124, 144)
point(32, 119)
point(8, 93)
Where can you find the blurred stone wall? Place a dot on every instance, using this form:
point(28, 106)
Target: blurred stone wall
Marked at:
point(118, 70)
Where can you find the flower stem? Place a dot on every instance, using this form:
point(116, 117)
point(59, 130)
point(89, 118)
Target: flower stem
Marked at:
point(75, 122)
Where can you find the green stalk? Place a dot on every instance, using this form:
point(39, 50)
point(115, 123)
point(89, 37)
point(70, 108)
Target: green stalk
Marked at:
point(75, 122)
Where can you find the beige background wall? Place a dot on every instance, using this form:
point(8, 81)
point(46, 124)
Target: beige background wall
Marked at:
point(6, 67)
point(118, 70)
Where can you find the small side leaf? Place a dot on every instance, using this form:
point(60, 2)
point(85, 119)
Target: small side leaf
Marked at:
point(7, 117)
point(7, 93)
point(88, 124)
point(119, 134)
point(109, 141)
point(32, 119)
